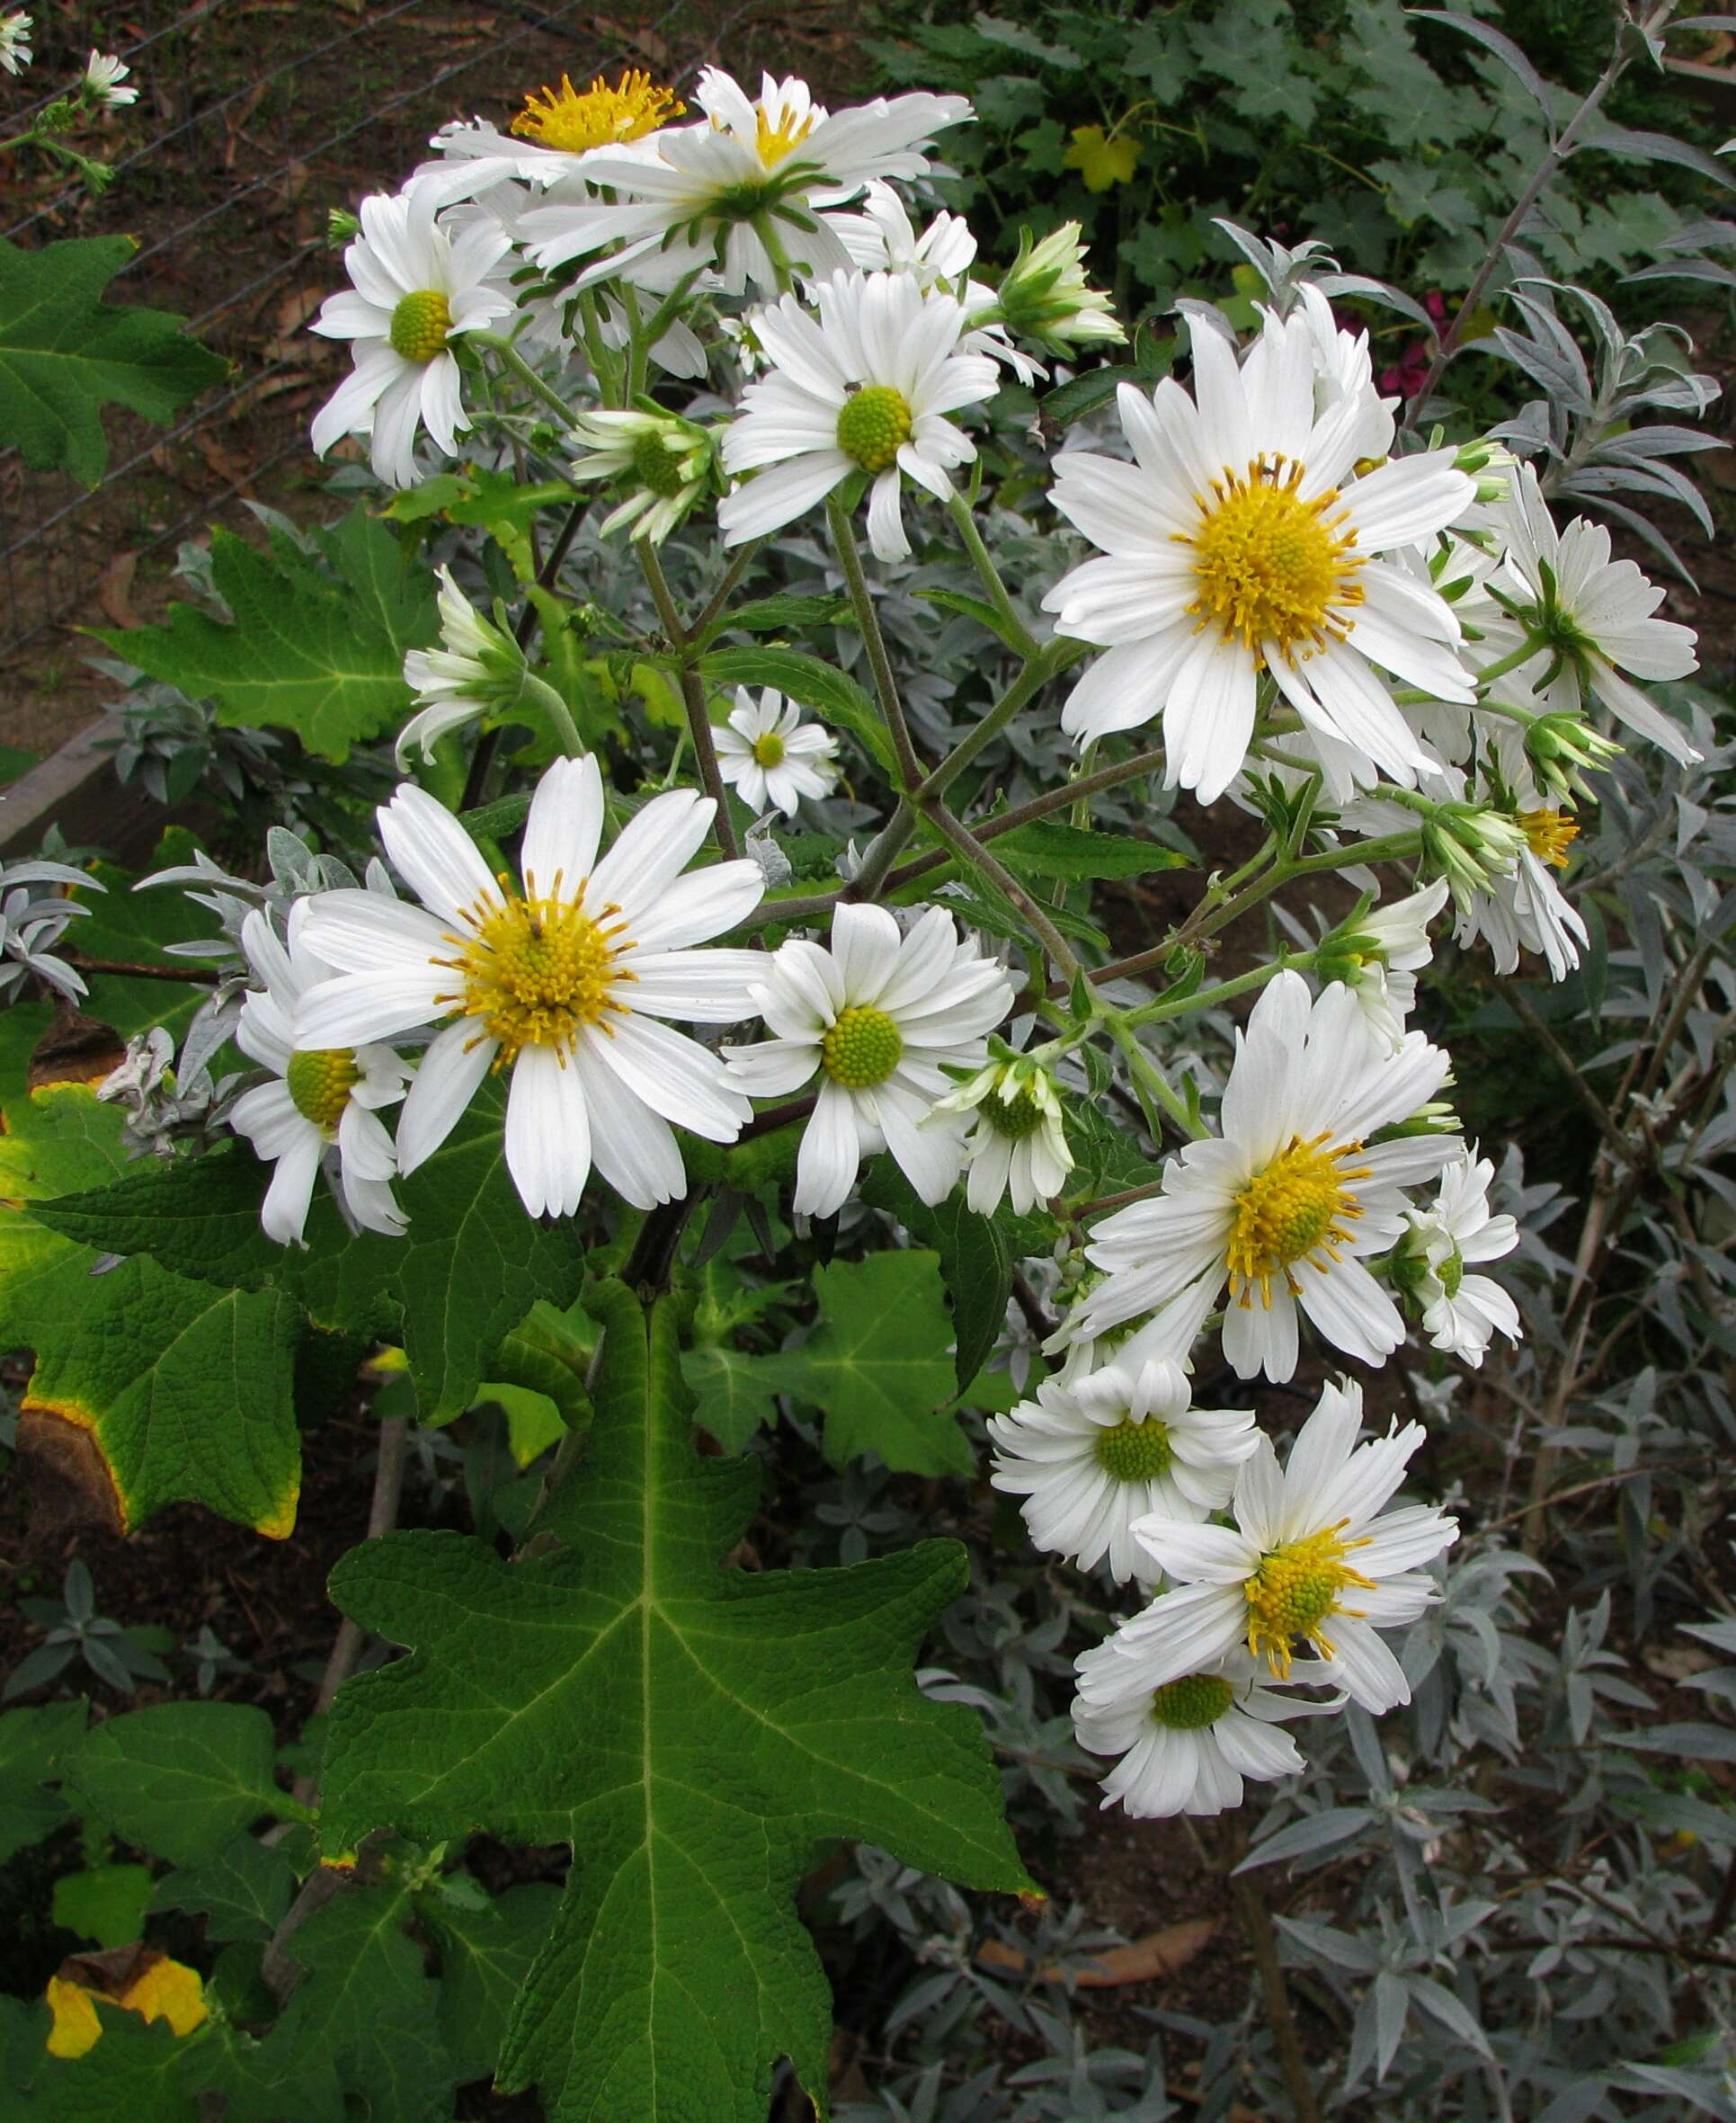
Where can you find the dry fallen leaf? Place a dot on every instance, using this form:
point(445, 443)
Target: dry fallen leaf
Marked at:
point(114, 590)
point(1142, 1961)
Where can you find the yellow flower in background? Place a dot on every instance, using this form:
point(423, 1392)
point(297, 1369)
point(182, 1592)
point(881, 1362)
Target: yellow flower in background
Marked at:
point(1101, 158)
point(154, 1988)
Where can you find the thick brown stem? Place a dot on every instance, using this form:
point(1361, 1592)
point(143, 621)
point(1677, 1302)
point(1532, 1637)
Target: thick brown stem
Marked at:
point(1262, 1942)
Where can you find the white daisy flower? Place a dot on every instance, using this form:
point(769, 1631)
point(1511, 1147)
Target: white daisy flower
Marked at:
point(866, 387)
point(1314, 1560)
point(1188, 1746)
point(1377, 955)
point(103, 74)
point(772, 757)
point(1242, 540)
point(323, 1097)
point(478, 668)
point(1019, 1144)
point(15, 41)
point(550, 140)
point(566, 985)
point(1461, 1313)
point(416, 289)
point(1526, 909)
point(1092, 1456)
point(1592, 618)
point(1286, 1201)
point(877, 1018)
point(747, 173)
point(667, 461)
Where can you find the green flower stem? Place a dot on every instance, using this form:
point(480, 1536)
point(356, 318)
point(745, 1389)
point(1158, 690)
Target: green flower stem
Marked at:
point(972, 851)
point(666, 311)
point(699, 722)
point(1149, 1081)
point(508, 353)
point(607, 365)
point(965, 517)
point(1226, 991)
point(843, 540)
point(1036, 674)
point(558, 713)
point(721, 595)
point(766, 230)
point(1527, 649)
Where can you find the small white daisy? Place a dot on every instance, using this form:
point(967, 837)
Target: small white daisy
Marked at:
point(772, 757)
point(1244, 540)
point(103, 74)
point(1461, 1313)
point(877, 1018)
point(477, 669)
point(1378, 955)
point(15, 41)
point(865, 386)
point(1091, 1455)
point(566, 985)
point(666, 462)
point(1188, 1746)
point(323, 1098)
point(1283, 1203)
point(414, 290)
point(742, 186)
point(1019, 1142)
point(1314, 1560)
point(1526, 909)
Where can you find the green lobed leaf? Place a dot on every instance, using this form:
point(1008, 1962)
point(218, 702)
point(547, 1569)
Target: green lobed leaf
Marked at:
point(731, 1399)
point(833, 695)
point(136, 2073)
point(106, 1904)
point(64, 353)
point(243, 1890)
point(485, 1957)
point(315, 650)
point(31, 1742)
point(178, 1780)
point(694, 1734)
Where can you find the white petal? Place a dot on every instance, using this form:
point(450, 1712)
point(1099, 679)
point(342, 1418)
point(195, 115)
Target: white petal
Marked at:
point(445, 1083)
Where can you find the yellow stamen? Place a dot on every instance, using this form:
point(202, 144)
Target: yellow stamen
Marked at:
point(575, 119)
point(537, 971)
point(1550, 834)
point(1271, 570)
point(1297, 1207)
point(775, 143)
point(1295, 1590)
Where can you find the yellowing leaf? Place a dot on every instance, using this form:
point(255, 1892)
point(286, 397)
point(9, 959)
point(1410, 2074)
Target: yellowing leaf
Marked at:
point(1102, 159)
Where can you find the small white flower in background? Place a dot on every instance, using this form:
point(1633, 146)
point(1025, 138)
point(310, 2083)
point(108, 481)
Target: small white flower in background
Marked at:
point(320, 1098)
point(1377, 955)
point(564, 985)
point(1525, 908)
point(1019, 1143)
point(15, 41)
point(1461, 1313)
point(1243, 540)
point(1594, 617)
point(416, 289)
point(713, 191)
point(1314, 1561)
point(865, 386)
point(1283, 1203)
point(877, 1019)
point(1189, 1745)
point(771, 757)
point(1044, 297)
point(666, 461)
point(32, 927)
point(1091, 1455)
point(478, 669)
point(103, 74)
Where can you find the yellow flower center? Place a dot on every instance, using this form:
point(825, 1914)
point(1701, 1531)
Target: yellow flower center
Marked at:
point(1299, 1203)
point(420, 324)
point(861, 1048)
point(320, 1080)
point(777, 142)
point(575, 119)
point(768, 749)
point(1295, 1590)
point(1016, 1117)
point(1133, 1452)
point(1269, 567)
point(874, 426)
point(1549, 835)
point(537, 971)
point(657, 467)
point(1191, 1703)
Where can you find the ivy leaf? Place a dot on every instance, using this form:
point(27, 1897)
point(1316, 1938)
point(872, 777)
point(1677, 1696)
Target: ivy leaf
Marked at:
point(179, 1779)
point(694, 1734)
point(64, 353)
point(468, 1233)
point(106, 1904)
point(731, 1398)
point(181, 1391)
point(317, 649)
point(833, 695)
point(243, 1890)
point(31, 1743)
point(485, 1957)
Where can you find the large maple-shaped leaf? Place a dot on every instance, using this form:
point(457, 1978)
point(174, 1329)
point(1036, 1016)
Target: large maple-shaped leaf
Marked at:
point(318, 649)
point(64, 353)
point(694, 1733)
point(450, 1289)
point(183, 1390)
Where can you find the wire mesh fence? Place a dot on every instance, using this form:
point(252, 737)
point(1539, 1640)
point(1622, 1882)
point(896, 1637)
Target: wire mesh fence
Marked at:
point(254, 117)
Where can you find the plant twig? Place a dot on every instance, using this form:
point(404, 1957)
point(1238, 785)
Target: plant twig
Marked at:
point(844, 541)
point(1262, 1941)
point(699, 722)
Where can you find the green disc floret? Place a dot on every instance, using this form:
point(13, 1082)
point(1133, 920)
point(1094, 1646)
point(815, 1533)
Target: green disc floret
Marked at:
point(1191, 1703)
point(1018, 1116)
point(320, 1080)
point(1133, 1452)
point(420, 324)
point(874, 426)
point(768, 749)
point(657, 467)
point(862, 1048)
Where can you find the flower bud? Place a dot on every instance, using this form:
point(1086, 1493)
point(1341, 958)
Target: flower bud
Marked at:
point(1045, 298)
point(1563, 749)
